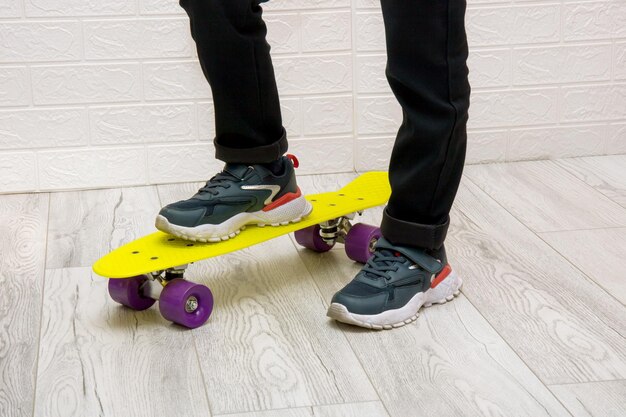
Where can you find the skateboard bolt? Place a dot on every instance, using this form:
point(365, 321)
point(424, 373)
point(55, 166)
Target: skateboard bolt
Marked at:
point(191, 305)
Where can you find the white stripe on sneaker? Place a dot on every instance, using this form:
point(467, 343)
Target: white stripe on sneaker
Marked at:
point(273, 188)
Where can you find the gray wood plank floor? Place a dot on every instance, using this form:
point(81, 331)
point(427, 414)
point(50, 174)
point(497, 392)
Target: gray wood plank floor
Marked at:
point(85, 225)
point(546, 197)
point(599, 253)
point(99, 359)
point(23, 223)
point(566, 328)
point(604, 173)
point(595, 399)
point(539, 329)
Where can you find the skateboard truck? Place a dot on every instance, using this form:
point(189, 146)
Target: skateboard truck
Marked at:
point(359, 239)
point(175, 272)
point(335, 230)
point(153, 286)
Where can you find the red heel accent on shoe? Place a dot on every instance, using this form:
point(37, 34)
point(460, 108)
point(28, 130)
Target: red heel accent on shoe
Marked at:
point(283, 200)
point(441, 276)
point(294, 160)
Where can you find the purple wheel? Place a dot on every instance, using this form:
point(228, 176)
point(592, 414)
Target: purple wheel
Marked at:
point(310, 238)
point(360, 242)
point(186, 303)
point(126, 291)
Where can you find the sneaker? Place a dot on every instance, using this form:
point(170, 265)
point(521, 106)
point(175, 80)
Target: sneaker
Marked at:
point(239, 195)
point(393, 285)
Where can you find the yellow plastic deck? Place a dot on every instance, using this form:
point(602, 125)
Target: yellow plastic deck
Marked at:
point(159, 251)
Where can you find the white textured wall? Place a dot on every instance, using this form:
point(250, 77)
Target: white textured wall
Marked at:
point(105, 93)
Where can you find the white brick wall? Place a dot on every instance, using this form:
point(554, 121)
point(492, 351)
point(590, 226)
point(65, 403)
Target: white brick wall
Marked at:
point(106, 93)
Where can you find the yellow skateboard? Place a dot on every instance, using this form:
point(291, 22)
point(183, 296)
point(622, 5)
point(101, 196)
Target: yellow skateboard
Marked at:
point(151, 268)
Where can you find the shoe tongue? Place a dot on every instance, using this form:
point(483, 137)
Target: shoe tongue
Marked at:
point(236, 170)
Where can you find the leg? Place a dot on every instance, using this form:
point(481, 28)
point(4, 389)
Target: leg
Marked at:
point(258, 184)
point(235, 58)
point(426, 68)
point(427, 51)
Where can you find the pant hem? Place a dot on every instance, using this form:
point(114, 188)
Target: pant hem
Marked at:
point(256, 155)
point(403, 233)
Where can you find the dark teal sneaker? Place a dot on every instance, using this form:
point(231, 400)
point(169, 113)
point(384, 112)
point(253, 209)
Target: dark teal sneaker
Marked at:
point(239, 195)
point(393, 285)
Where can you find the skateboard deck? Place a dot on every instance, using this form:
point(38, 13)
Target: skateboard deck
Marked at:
point(160, 251)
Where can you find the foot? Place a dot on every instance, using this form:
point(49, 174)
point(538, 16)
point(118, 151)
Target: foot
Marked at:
point(393, 286)
point(237, 196)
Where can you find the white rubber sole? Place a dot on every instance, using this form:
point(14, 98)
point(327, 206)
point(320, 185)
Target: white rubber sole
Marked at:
point(390, 319)
point(291, 212)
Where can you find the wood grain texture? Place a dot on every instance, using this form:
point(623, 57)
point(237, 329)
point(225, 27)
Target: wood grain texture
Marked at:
point(599, 253)
point(606, 174)
point(85, 225)
point(367, 409)
point(565, 327)
point(593, 399)
point(98, 358)
point(450, 362)
point(23, 220)
point(267, 345)
point(545, 197)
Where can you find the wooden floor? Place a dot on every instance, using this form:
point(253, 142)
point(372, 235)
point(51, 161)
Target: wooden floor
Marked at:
point(539, 329)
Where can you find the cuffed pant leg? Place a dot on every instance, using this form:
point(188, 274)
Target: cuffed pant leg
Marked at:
point(230, 37)
point(426, 68)
point(251, 155)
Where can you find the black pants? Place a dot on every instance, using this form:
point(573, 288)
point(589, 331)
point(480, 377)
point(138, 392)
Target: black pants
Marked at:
point(426, 68)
